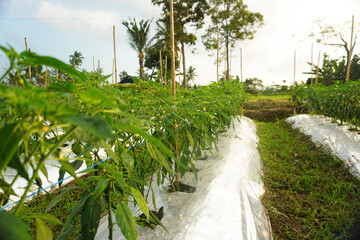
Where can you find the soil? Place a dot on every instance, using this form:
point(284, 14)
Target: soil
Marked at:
point(268, 110)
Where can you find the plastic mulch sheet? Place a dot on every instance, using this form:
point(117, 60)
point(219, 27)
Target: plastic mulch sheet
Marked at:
point(226, 203)
point(343, 143)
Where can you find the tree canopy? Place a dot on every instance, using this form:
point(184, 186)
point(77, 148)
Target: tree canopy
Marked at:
point(234, 21)
point(139, 36)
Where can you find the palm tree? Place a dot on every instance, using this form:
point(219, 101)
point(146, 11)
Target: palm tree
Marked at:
point(191, 74)
point(76, 59)
point(139, 38)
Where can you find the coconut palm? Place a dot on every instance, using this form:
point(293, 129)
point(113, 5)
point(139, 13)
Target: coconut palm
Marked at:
point(191, 74)
point(139, 38)
point(76, 59)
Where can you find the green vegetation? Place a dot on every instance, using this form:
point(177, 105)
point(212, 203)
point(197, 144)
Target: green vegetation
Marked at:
point(340, 102)
point(308, 193)
point(82, 109)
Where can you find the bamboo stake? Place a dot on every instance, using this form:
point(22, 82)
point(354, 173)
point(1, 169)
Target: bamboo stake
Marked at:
point(93, 64)
point(46, 77)
point(217, 59)
point(115, 54)
point(294, 67)
point(317, 70)
point(165, 79)
point(161, 73)
point(172, 46)
point(26, 46)
point(312, 53)
point(180, 72)
point(230, 63)
point(7, 75)
point(241, 65)
point(99, 67)
point(173, 79)
point(112, 79)
point(351, 49)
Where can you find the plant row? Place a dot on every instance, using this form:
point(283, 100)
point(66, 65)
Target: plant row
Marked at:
point(340, 102)
point(83, 111)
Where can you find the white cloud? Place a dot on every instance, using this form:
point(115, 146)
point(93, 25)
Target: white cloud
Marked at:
point(77, 19)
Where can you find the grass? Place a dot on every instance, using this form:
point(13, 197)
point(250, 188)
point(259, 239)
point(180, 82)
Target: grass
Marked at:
point(272, 97)
point(309, 194)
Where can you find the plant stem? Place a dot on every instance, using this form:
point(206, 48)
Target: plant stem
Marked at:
point(41, 162)
point(109, 190)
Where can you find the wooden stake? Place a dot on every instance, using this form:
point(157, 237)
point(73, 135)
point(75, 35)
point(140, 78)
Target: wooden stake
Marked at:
point(294, 67)
point(115, 54)
point(217, 59)
point(26, 46)
point(180, 71)
point(351, 49)
point(93, 64)
point(172, 46)
point(7, 75)
point(312, 53)
point(46, 78)
point(165, 79)
point(112, 79)
point(57, 73)
point(99, 67)
point(230, 62)
point(241, 65)
point(161, 73)
point(317, 70)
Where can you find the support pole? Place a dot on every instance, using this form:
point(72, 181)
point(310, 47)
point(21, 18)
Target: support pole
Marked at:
point(172, 47)
point(161, 72)
point(241, 65)
point(93, 64)
point(26, 46)
point(46, 77)
point(165, 79)
point(351, 49)
point(180, 72)
point(294, 67)
point(317, 70)
point(7, 75)
point(99, 67)
point(112, 79)
point(312, 54)
point(217, 59)
point(115, 54)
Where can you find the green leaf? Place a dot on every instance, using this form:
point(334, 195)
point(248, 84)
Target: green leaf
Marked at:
point(43, 232)
point(100, 187)
point(16, 164)
point(126, 221)
point(140, 200)
point(75, 212)
point(10, 138)
point(90, 218)
point(147, 137)
point(47, 217)
point(59, 197)
point(191, 140)
point(118, 176)
point(128, 161)
point(12, 227)
point(67, 167)
point(96, 126)
point(33, 59)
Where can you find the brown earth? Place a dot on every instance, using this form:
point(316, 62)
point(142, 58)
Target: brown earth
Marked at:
point(268, 110)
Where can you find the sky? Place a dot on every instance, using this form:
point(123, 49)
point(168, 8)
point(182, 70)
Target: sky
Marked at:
point(58, 28)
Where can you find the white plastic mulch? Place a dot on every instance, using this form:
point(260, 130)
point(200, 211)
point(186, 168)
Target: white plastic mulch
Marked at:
point(343, 143)
point(226, 203)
